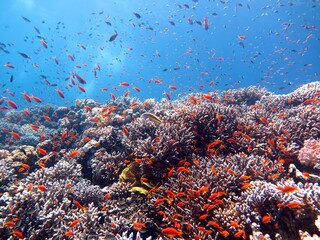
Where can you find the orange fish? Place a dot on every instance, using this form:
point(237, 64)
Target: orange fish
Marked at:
point(294, 204)
point(17, 234)
point(137, 89)
point(81, 88)
point(47, 118)
point(43, 42)
point(287, 189)
point(42, 188)
point(242, 37)
point(214, 224)
point(12, 104)
point(263, 120)
point(36, 99)
point(61, 94)
point(167, 95)
point(74, 223)
point(266, 219)
point(78, 205)
point(15, 135)
point(74, 153)
point(41, 151)
point(125, 131)
point(9, 65)
point(25, 95)
point(139, 226)
point(171, 232)
point(124, 84)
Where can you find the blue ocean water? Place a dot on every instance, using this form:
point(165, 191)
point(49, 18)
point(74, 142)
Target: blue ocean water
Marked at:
point(161, 45)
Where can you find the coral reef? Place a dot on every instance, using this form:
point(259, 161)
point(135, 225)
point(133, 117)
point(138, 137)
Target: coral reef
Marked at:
point(242, 164)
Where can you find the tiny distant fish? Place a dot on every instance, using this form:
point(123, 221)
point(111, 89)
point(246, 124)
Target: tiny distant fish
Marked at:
point(151, 117)
point(11, 78)
point(206, 23)
point(172, 23)
point(26, 19)
point(101, 12)
point(37, 30)
point(108, 23)
point(24, 55)
point(137, 15)
point(113, 37)
point(186, 5)
point(199, 23)
point(214, 14)
point(53, 84)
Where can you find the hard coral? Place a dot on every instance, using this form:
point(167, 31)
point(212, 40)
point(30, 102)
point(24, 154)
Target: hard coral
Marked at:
point(309, 155)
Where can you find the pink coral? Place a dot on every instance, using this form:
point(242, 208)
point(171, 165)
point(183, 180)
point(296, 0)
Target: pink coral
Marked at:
point(310, 154)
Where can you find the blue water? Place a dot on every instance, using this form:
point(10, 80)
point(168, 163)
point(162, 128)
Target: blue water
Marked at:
point(281, 50)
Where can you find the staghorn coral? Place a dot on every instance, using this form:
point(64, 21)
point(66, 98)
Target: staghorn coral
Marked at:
point(214, 167)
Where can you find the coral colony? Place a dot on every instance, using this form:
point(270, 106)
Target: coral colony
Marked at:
point(242, 164)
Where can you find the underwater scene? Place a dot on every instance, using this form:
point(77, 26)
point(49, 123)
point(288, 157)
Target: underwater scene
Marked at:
point(186, 119)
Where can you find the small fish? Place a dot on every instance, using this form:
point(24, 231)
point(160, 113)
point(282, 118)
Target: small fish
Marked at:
point(206, 23)
point(42, 188)
point(80, 79)
point(43, 42)
point(113, 37)
point(26, 19)
point(37, 30)
point(74, 223)
point(124, 84)
point(60, 93)
point(36, 99)
point(171, 232)
point(9, 65)
point(151, 117)
point(137, 15)
point(24, 55)
point(11, 78)
point(12, 104)
point(15, 135)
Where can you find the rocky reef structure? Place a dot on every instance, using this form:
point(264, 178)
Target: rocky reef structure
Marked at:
point(241, 164)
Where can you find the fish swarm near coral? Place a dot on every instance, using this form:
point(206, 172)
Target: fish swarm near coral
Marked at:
point(238, 165)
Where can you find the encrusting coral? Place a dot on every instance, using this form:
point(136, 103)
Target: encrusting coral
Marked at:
point(236, 165)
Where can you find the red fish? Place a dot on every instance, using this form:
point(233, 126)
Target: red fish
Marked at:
point(70, 56)
point(171, 232)
point(242, 37)
point(81, 88)
point(8, 65)
point(113, 37)
point(124, 84)
point(43, 42)
point(137, 89)
point(36, 99)
point(26, 96)
point(56, 60)
point(60, 93)
point(42, 188)
point(206, 23)
point(80, 79)
point(15, 135)
point(74, 223)
point(12, 104)
point(167, 95)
